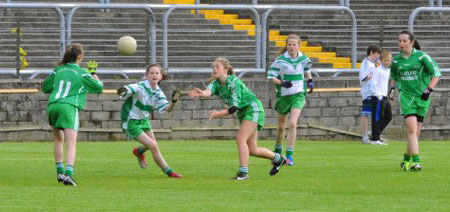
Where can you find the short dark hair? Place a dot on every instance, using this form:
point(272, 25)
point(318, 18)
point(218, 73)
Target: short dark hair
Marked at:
point(375, 48)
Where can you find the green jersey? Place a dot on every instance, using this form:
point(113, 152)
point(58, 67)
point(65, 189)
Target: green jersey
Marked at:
point(69, 83)
point(290, 69)
point(413, 75)
point(233, 92)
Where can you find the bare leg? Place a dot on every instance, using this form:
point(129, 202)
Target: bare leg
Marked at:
point(281, 128)
point(70, 137)
point(364, 127)
point(292, 135)
point(256, 151)
point(412, 147)
point(58, 150)
point(246, 129)
point(150, 143)
point(151, 135)
point(419, 127)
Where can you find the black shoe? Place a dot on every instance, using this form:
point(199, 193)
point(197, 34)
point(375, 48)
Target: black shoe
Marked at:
point(241, 176)
point(60, 177)
point(68, 180)
point(277, 166)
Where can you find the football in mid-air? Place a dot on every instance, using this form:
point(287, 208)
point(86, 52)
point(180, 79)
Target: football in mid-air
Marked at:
point(126, 45)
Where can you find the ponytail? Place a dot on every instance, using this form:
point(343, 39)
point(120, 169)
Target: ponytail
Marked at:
point(72, 53)
point(416, 45)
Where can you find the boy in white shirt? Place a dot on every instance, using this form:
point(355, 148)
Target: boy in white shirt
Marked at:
point(381, 108)
point(368, 65)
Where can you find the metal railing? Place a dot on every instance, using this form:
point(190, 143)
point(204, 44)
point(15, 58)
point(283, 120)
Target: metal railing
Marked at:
point(418, 10)
point(256, 19)
point(152, 21)
point(345, 3)
point(431, 3)
point(309, 8)
point(44, 6)
point(65, 31)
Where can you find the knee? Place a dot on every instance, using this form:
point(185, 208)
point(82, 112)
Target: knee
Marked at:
point(253, 151)
point(292, 125)
point(240, 139)
point(280, 128)
point(412, 130)
point(153, 148)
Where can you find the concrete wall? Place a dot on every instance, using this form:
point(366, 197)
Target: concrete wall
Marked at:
point(23, 116)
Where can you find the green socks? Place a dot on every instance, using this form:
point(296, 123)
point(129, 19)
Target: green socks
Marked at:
point(59, 168)
point(141, 150)
point(278, 148)
point(289, 151)
point(416, 158)
point(69, 170)
point(406, 157)
point(167, 170)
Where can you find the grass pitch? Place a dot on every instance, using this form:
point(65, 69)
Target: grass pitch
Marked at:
point(327, 176)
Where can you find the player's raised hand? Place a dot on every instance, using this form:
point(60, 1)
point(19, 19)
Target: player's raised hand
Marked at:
point(92, 66)
point(196, 92)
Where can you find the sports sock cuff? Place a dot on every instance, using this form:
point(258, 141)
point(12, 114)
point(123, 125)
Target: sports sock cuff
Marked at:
point(141, 150)
point(276, 158)
point(278, 148)
point(59, 167)
point(406, 157)
point(69, 170)
point(167, 170)
point(243, 169)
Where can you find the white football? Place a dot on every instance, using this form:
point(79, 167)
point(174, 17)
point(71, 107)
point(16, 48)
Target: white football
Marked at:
point(126, 45)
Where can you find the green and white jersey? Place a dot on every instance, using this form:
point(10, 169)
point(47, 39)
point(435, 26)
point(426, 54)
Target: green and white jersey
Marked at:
point(140, 100)
point(233, 92)
point(287, 68)
point(413, 75)
point(69, 83)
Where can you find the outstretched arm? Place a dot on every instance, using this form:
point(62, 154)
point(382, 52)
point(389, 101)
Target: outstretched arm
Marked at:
point(197, 92)
point(217, 114)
